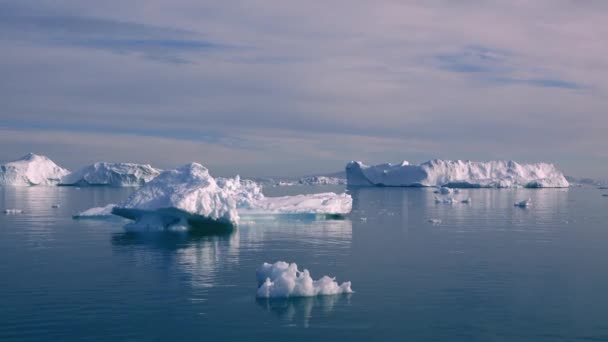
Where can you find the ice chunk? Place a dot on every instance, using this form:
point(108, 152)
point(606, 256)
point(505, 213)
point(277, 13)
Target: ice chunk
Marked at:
point(284, 280)
point(445, 190)
point(13, 211)
point(328, 204)
point(457, 174)
point(321, 180)
point(112, 174)
point(466, 200)
point(251, 201)
point(524, 203)
point(96, 213)
point(31, 169)
point(445, 200)
point(56, 205)
point(434, 221)
point(186, 196)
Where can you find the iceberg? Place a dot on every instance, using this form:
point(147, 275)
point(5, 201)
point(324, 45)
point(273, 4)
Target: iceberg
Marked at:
point(13, 211)
point(96, 213)
point(434, 221)
point(524, 203)
point(112, 174)
point(323, 205)
point(184, 197)
point(190, 197)
point(457, 174)
point(321, 180)
point(31, 169)
point(284, 280)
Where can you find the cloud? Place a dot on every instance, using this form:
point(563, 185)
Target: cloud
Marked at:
point(301, 87)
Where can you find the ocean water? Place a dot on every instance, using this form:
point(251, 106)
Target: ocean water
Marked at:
point(489, 272)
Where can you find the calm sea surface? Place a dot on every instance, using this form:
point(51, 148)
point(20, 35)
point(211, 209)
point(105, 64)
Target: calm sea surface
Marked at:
point(489, 272)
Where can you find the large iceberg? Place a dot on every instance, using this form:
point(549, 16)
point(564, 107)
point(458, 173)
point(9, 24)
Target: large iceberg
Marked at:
point(189, 197)
point(112, 174)
point(457, 174)
point(284, 280)
point(185, 197)
point(31, 169)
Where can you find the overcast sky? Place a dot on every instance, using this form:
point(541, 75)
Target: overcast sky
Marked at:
point(300, 87)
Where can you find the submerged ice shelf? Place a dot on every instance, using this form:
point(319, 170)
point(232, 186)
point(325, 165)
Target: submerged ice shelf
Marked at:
point(457, 174)
point(284, 280)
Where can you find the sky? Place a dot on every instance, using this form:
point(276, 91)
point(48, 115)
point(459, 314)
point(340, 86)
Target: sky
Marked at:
point(302, 87)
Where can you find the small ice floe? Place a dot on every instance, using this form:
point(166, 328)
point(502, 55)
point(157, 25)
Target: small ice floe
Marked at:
point(13, 211)
point(56, 205)
point(284, 280)
point(466, 200)
point(524, 203)
point(363, 219)
point(445, 200)
point(434, 221)
point(96, 213)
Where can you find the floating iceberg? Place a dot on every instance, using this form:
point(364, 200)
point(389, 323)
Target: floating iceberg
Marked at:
point(326, 204)
point(524, 203)
point(112, 174)
point(457, 174)
point(284, 280)
point(321, 180)
point(13, 211)
point(96, 213)
point(31, 169)
point(434, 221)
point(185, 197)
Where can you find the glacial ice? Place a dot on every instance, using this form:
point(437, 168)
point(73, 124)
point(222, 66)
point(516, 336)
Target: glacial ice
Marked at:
point(524, 204)
point(457, 174)
point(96, 213)
point(31, 169)
point(112, 174)
point(326, 204)
point(434, 221)
point(284, 280)
point(13, 211)
point(189, 197)
point(321, 180)
point(186, 196)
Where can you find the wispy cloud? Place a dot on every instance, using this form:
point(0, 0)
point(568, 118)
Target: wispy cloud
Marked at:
point(50, 27)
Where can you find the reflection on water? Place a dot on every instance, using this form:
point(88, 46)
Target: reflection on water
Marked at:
point(300, 310)
point(200, 255)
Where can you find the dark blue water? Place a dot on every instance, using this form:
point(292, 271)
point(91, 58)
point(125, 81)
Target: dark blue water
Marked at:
point(489, 272)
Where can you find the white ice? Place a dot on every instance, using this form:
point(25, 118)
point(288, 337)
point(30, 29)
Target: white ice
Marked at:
point(97, 212)
point(524, 203)
point(31, 169)
point(434, 221)
point(457, 174)
point(13, 211)
point(284, 280)
point(180, 197)
point(112, 174)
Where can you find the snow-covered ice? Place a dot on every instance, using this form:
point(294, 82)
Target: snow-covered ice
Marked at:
point(189, 196)
point(321, 180)
point(31, 169)
point(186, 196)
point(96, 213)
point(434, 221)
point(327, 203)
point(524, 203)
point(457, 174)
point(284, 280)
point(112, 174)
point(13, 211)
